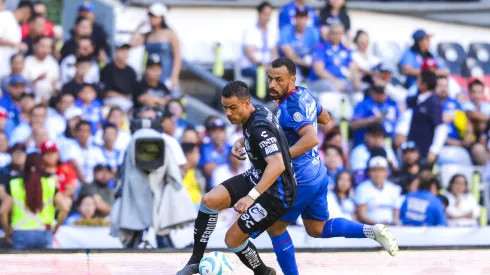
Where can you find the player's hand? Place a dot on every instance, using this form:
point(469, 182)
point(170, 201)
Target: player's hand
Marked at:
point(237, 150)
point(243, 204)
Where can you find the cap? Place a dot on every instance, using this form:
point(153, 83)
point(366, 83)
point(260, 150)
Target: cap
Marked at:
point(378, 162)
point(375, 129)
point(17, 79)
point(49, 146)
point(101, 166)
point(3, 113)
point(429, 64)
point(123, 45)
point(72, 112)
point(17, 147)
point(301, 12)
point(383, 68)
point(419, 35)
point(409, 146)
point(158, 9)
point(83, 58)
point(377, 89)
point(153, 59)
point(216, 124)
point(86, 6)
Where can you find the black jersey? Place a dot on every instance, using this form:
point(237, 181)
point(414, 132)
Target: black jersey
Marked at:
point(263, 138)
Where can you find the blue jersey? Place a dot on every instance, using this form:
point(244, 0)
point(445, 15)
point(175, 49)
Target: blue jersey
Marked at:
point(336, 59)
point(422, 208)
point(450, 106)
point(295, 111)
point(302, 44)
point(287, 15)
point(415, 60)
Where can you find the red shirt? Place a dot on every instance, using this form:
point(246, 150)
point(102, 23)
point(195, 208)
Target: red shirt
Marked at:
point(48, 29)
point(66, 176)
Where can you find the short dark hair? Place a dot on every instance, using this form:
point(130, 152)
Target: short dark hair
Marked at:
point(358, 34)
point(34, 17)
point(109, 125)
point(263, 5)
point(80, 19)
point(429, 78)
point(15, 56)
point(453, 180)
point(39, 39)
point(301, 13)
point(236, 88)
point(81, 59)
point(85, 37)
point(475, 82)
point(375, 129)
point(442, 77)
point(284, 61)
point(39, 3)
point(81, 123)
point(38, 106)
point(335, 148)
point(26, 4)
point(188, 147)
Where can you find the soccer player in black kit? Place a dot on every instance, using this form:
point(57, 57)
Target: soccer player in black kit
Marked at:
point(261, 195)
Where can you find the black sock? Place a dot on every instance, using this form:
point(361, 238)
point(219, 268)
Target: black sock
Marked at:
point(203, 228)
point(250, 257)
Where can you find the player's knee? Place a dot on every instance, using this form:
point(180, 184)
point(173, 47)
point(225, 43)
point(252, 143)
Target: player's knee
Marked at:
point(276, 230)
point(208, 200)
point(230, 239)
point(314, 229)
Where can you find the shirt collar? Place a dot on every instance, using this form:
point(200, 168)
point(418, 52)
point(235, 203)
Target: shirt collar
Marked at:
point(287, 95)
point(423, 97)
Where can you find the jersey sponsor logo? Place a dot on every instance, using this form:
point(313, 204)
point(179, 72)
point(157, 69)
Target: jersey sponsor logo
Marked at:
point(278, 114)
point(267, 142)
point(257, 212)
point(298, 117)
point(264, 134)
point(269, 116)
point(271, 149)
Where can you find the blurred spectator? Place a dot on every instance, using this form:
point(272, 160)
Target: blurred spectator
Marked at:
point(377, 199)
point(67, 179)
point(366, 61)
point(42, 70)
point(5, 157)
point(36, 23)
point(374, 109)
point(89, 104)
point(193, 179)
point(11, 34)
point(85, 210)
point(41, 10)
point(423, 207)
point(71, 66)
point(99, 34)
point(477, 109)
point(116, 117)
point(334, 163)
point(161, 40)
point(410, 167)
point(383, 76)
point(412, 60)
point(296, 43)
point(119, 80)
point(168, 124)
point(151, 91)
point(259, 43)
point(334, 11)
point(10, 100)
point(17, 67)
point(231, 168)
point(38, 137)
point(340, 203)
point(463, 209)
point(288, 13)
point(16, 166)
point(333, 68)
point(334, 137)
point(175, 107)
point(67, 141)
point(113, 157)
point(190, 135)
point(4, 121)
point(373, 143)
point(51, 157)
point(216, 151)
point(56, 116)
point(103, 195)
point(82, 29)
point(82, 67)
point(37, 119)
point(26, 103)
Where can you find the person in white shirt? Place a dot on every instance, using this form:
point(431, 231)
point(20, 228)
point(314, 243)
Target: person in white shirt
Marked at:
point(477, 110)
point(5, 157)
point(362, 56)
point(42, 69)
point(463, 209)
point(377, 199)
point(56, 119)
point(37, 119)
point(85, 48)
point(11, 34)
point(117, 117)
point(226, 171)
point(340, 203)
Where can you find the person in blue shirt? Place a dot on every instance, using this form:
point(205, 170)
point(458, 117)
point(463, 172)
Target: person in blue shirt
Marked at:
point(412, 60)
point(333, 67)
point(215, 152)
point(423, 207)
point(90, 105)
point(376, 108)
point(299, 114)
point(287, 14)
point(296, 42)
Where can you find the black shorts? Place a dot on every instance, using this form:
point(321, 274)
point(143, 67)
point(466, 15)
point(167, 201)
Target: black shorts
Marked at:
point(263, 213)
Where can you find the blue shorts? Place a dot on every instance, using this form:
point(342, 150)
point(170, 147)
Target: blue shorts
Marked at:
point(311, 203)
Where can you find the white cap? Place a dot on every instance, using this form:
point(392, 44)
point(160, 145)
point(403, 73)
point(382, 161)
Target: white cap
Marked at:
point(72, 112)
point(158, 9)
point(378, 162)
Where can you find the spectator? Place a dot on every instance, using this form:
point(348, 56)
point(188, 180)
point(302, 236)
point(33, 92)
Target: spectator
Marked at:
point(51, 157)
point(190, 135)
point(16, 166)
point(215, 152)
point(463, 209)
point(37, 119)
point(119, 80)
point(374, 109)
point(70, 64)
point(99, 34)
point(82, 29)
point(334, 137)
point(40, 9)
point(26, 103)
point(116, 117)
point(426, 128)
point(151, 92)
point(174, 107)
point(36, 23)
point(366, 61)
point(113, 157)
point(373, 143)
point(231, 168)
point(56, 115)
point(334, 11)
point(288, 12)
point(91, 106)
point(34, 198)
point(17, 67)
point(377, 199)
point(86, 207)
point(5, 157)
point(383, 76)
point(161, 41)
point(411, 167)
point(10, 100)
point(82, 68)
point(296, 42)
point(37, 138)
point(103, 195)
point(334, 163)
point(193, 179)
point(259, 43)
point(333, 68)
point(42, 70)
point(412, 60)
point(477, 110)
point(340, 203)
point(67, 180)
point(67, 141)
point(168, 124)
point(11, 34)
point(423, 207)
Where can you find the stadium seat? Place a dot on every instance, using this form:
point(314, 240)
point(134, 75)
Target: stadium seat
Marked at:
point(390, 53)
point(480, 51)
point(449, 170)
point(462, 82)
point(332, 102)
point(453, 54)
point(471, 67)
point(454, 155)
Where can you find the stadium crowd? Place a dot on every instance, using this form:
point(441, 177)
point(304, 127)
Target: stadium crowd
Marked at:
point(66, 100)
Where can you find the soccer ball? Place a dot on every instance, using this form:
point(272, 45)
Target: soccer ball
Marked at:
point(215, 263)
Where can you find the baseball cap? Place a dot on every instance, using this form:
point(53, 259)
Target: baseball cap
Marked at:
point(409, 146)
point(49, 146)
point(17, 79)
point(153, 59)
point(3, 113)
point(86, 6)
point(216, 124)
point(419, 35)
point(123, 45)
point(72, 112)
point(301, 12)
point(429, 64)
point(101, 166)
point(158, 9)
point(378, 162)
point(17, 147)
point(375, 129)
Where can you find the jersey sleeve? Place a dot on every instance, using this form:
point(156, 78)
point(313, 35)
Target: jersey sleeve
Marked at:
point(318, 53)
point(408, 58)
point(266, 141)
point(297, 117)
point(284, 37)
point(359, 112)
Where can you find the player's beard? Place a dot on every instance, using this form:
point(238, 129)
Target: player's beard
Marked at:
point(275, 95)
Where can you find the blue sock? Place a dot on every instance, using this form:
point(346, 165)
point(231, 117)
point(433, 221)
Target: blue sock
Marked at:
point(284, 249)
point(340, 227)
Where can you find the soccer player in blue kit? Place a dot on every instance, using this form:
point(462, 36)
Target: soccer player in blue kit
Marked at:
point(298, 114)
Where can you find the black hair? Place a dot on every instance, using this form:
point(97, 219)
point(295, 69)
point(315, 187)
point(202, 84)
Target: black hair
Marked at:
point(375, 129)
point(85, 37)
point(358, 34)
point(14, 56)
point(335, 148)
point(263, 5)
point(26, 4)
point(41, 38)
point(475, 83)
point(34, 17)
point(38, 106)
point(109, 125)
point(426, 183)
point(236, 88)
point(188, 147)
point(336, 189)
point(167, 108)
point(442, 77)
point(429, 78)
point(80, 19)
point(81, 123)
point(81, 59)
point(284, 61)
point(453, 180)
point(301, 13)
point(444, 200)
point(114, 109)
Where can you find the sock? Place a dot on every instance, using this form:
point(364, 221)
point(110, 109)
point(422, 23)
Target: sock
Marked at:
point(203, 228)
point(340, 227)
point(250, 257)
point(284, 249)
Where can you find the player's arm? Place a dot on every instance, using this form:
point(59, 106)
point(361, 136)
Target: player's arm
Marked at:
point(308, 139)
point(323, 117)
point(275, 167)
